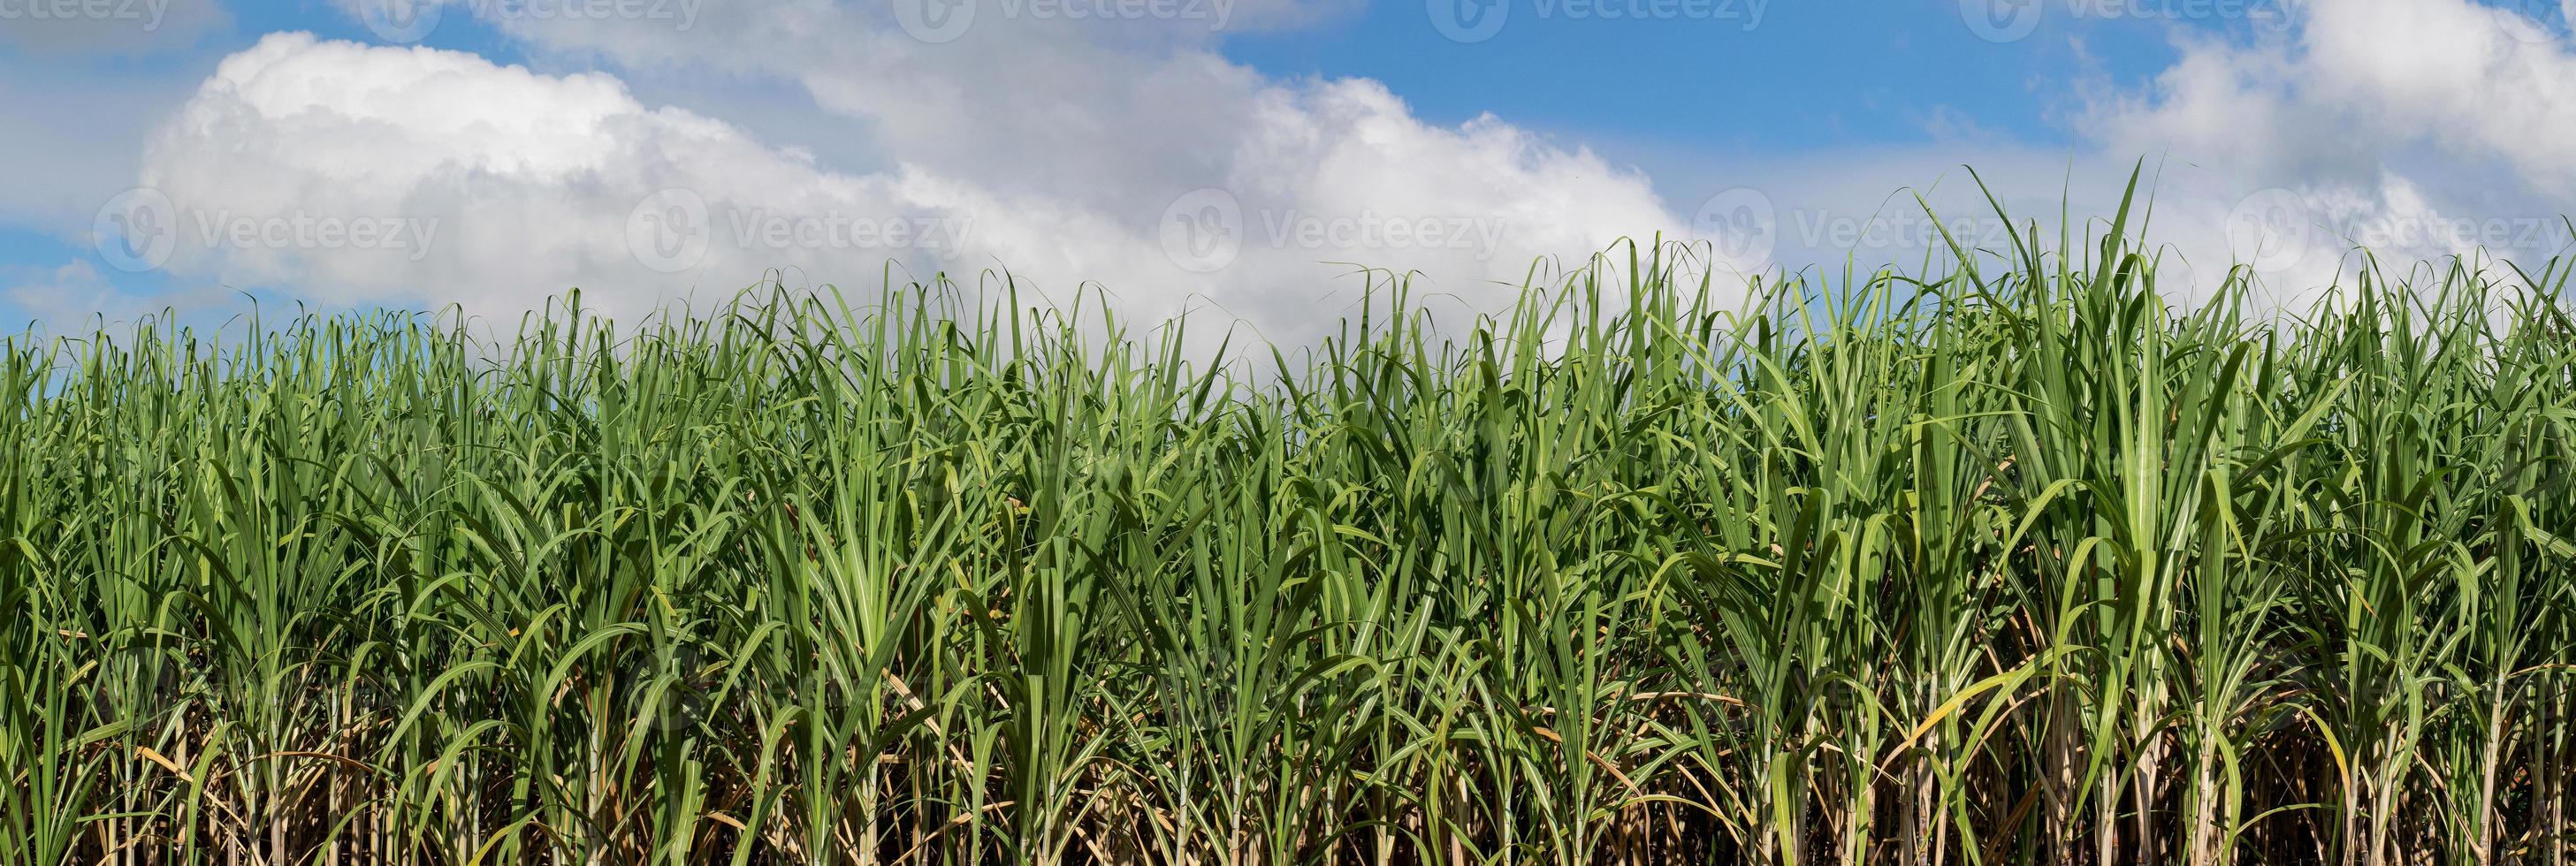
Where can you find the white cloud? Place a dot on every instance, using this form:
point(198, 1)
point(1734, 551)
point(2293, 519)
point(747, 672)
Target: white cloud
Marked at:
point(1132, 154)
point(487, 185)
point(2420, 128)
point(62, 297)
point(1060, 160)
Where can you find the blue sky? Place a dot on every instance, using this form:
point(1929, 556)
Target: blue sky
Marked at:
point(1804, 75)
point(1176, 159)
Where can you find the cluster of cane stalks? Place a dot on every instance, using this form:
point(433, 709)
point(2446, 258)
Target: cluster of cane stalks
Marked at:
point(2021, 562)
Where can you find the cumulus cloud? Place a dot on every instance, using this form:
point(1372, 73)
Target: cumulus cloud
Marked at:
point(1130, 153)
point(1160, 172)
point(360, 174)
point(2416, 128)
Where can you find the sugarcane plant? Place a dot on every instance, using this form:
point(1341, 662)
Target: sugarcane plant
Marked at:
point(2016, 556)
